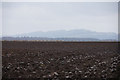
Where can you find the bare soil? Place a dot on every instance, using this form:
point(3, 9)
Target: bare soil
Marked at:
point(35, 59)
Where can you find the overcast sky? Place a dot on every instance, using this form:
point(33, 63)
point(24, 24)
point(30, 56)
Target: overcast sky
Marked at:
point(24, 17)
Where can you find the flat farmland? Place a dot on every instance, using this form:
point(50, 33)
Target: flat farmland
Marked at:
point(35, 59)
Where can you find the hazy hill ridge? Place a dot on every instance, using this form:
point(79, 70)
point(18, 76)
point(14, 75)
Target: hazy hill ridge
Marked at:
point(71, 34)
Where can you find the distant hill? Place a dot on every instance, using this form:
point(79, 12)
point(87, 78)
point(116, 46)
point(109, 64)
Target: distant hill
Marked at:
point(81, 34)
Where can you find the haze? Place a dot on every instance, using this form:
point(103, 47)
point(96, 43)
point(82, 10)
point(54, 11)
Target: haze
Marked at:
point(25, 17)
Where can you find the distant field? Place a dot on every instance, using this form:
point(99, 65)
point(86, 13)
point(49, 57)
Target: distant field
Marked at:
point(30, 59)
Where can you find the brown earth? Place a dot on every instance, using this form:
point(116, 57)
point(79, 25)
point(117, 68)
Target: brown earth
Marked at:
point(35, 59)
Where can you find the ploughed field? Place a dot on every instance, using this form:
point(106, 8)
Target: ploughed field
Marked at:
point(35, 59)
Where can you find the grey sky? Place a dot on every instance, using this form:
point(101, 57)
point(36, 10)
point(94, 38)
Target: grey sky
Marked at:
point(24, 17)
point(0, 19)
